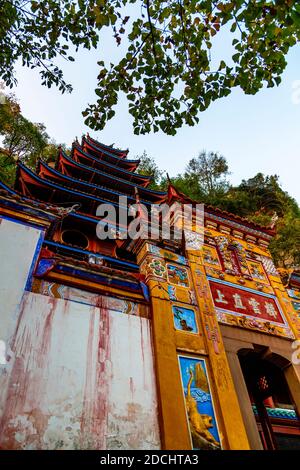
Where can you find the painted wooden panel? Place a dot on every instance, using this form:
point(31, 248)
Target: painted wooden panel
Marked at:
point(79, 377)
point(184, 319)
point(199, 403)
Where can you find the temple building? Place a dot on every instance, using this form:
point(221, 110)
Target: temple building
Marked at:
point(150, 342)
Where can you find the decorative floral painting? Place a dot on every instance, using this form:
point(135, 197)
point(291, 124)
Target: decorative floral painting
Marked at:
point(199, 405)
point(295, 294)
point(210, 257)
point(296, 306)
point(257, 271)
point(178, 275)
point(184, 319)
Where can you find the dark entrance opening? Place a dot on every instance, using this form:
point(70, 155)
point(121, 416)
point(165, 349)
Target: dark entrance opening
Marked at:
point(276, 416)
point(75, 238)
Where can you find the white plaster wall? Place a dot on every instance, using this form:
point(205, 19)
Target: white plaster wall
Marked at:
point(17, 248)
point(79, 377)
point(131, 375)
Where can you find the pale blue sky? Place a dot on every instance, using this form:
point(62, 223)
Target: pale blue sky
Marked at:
point(258, 133)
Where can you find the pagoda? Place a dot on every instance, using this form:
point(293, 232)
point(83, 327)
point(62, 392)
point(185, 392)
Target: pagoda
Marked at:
point(153, 342)
point(93, 174)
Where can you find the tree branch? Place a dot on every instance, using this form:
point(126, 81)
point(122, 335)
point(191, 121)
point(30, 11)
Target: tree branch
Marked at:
point(181, 13)
point(151, 31)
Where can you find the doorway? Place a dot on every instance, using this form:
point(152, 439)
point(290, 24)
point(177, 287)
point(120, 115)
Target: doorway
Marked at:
point(272, 404)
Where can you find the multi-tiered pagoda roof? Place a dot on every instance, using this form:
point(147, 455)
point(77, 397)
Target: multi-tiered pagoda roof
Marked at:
point(70, 190)
point(91, 175)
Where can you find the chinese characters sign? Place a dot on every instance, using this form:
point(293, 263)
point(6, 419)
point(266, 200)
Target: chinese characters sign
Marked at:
point(245, 302)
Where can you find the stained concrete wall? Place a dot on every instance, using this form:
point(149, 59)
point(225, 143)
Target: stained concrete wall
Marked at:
point(79, 377)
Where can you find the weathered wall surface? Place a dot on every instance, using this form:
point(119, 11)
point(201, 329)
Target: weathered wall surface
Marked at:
point(79, 377)
point(18, 245)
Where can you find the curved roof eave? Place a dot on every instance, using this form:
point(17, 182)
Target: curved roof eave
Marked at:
point(130, 173)
point(101, 145)
point(90, 185)
point(140, 188)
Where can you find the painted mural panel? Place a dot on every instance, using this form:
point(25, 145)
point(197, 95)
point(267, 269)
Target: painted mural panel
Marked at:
point(294, 294)
point(184, 319)
point(167, 255)
point(180, 294)
point(178, 275)
point(79, 377)
point(199, 404)
point(257, 271)
point(210, 257)
point(296, 306)
point(179, 287)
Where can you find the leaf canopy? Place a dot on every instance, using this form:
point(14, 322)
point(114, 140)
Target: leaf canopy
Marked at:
point(166, 71)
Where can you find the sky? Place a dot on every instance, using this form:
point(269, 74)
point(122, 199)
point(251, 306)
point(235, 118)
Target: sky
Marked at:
point(258, 133)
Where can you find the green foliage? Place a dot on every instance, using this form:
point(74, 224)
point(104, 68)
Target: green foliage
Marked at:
point(259, 199)
point(204, 178)
point(148, 167)
point(209, 171)
point(167, 73)
point(21, 140)
point(37, 32)
point(48, 154)
point(166, 70)
point(7, 170)
point(259, 196)
point(285, 247)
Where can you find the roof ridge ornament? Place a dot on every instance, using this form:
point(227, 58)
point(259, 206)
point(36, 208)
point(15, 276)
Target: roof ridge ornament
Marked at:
point(274, 220)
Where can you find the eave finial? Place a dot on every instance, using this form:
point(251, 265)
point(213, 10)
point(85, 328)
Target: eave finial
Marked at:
point(137, 196)
point(274, 220)
point(142, 211)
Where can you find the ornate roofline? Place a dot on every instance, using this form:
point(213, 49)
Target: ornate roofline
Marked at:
point(223, 216)
point(44, 182)
point(110, 148)
point(110, 259)
point(109, 165)
point(107, 175)
point(84, 183)
point(37, 205)
point(126, 161)
point(27, 209)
